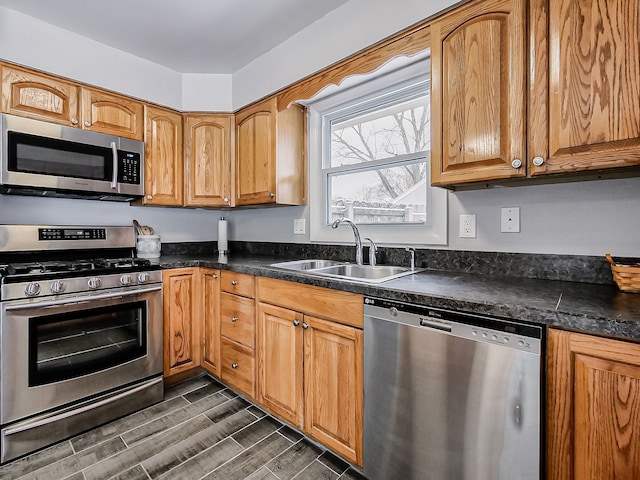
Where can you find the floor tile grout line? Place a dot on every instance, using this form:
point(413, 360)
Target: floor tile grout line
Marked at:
point(271, 471)
point(129, 447)
point(181, 423)
point(120, 434)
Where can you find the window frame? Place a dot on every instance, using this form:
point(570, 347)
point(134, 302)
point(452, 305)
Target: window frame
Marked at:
point(413, 72)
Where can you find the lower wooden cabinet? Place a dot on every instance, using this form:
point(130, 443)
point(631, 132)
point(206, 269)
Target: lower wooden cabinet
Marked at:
point(310, 369)
point(182, 337)
point(593, 405)
point(210, 318)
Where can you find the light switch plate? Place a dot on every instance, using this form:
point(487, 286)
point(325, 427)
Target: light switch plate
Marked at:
point(299, 226)
point(510, 219)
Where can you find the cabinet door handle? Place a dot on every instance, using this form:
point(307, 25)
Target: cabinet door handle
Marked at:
point(214, 276)
point(74, 121)
point(296, 323)
point(234, 319)
point(233, 282)
point(225, 199)
point(234, 365)
point(271, 194)
point(304, 325)
point(87, 123)
point(538, 161)
point(516, 163)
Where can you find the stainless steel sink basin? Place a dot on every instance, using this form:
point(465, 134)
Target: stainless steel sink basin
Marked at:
point(307, 264)
point(347, 271)
point(368, 273)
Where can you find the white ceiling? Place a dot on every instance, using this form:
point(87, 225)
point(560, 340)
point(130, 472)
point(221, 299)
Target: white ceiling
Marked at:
point(188, 36)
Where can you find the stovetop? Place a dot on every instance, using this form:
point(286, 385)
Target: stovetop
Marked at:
point(41, 270)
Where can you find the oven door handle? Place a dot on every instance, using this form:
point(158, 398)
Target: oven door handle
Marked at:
point(76, 300)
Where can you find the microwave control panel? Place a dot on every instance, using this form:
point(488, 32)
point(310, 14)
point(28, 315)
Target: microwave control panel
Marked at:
point(129, 167)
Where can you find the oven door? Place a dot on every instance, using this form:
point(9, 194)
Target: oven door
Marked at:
point(60, 351)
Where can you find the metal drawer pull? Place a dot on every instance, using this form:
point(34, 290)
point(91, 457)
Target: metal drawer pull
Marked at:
point(233, 282)
point(213, 275)
point(296, 323)
point(234, 365)
point(304, 325)
point(234, 319)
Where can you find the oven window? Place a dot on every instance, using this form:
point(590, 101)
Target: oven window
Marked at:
point(77, 343)
point(48, 156)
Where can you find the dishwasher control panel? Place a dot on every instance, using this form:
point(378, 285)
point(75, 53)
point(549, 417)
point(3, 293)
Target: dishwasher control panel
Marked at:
point(480, 328)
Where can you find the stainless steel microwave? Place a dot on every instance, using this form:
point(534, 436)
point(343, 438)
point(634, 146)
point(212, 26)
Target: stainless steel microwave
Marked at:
point(46, 159)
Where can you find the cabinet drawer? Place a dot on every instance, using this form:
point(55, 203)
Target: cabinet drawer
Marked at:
point(238, 319)
point(238, 367)
point(238, 283)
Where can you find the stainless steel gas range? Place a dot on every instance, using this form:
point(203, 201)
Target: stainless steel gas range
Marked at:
point(80, 332)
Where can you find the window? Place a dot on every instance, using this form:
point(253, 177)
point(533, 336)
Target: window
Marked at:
point(369, 160)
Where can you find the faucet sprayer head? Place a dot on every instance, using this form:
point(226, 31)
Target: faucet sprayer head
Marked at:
point(336, 223)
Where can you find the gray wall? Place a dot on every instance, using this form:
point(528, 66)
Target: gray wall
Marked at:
point(583, 218)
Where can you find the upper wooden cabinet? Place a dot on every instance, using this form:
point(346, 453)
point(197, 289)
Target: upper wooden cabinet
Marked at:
point(269, 166)
point(163, 169)
point(583, 88)
point(208, 160)
point(478, 93)
point(593, 404)
point(108, 113)
point(585, 85)
point(43, 97)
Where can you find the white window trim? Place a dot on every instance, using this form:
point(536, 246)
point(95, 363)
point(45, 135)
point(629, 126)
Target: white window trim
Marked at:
point(410, 234)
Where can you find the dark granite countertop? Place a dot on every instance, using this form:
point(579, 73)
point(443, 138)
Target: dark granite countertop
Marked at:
point(585, 307)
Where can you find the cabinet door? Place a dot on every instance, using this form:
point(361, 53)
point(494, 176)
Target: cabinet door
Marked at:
point(112, 114)
point(280, 368)
point(593, 408)
point(181, 326)
point(210, 283)
point(333, 383)
point(208, 160)
point(163, 169)
point(40, 97)
point(255, 169)
point(585, 85)
point(478, 94)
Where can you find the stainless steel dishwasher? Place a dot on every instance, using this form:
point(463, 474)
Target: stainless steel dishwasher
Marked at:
point(450, 395)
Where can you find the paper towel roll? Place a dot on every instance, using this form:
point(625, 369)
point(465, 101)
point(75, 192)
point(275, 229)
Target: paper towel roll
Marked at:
point(223, 243)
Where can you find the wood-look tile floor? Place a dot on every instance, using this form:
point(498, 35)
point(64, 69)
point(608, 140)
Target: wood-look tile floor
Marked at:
point(201, 430)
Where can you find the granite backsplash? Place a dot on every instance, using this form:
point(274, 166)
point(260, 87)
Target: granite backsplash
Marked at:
point(572, 268)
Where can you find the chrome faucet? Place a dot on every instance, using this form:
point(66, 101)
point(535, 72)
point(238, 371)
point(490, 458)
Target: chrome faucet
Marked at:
point(356, 234)
point(412, 260)
point(373, 249)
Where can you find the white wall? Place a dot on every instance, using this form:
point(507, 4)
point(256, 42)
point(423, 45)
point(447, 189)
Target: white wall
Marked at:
point(584, 218)
point(346, 30)
point(33, 43)
point(173, 224)
point(209, 93)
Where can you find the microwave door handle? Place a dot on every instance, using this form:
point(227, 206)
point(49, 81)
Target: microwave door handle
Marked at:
point(114, 178)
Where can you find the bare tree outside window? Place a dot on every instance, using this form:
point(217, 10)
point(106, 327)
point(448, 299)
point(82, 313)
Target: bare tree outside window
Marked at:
point(380, 162)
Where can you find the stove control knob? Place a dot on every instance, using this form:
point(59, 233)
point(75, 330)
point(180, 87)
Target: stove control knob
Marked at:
point(126, 280)
point(143, 277)
point(32, 289)
point(57, 287)
point(94, 282)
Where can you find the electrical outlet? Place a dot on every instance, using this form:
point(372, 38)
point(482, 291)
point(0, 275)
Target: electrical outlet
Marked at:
point(299, 226)
point(510, 219)
point(467, 226)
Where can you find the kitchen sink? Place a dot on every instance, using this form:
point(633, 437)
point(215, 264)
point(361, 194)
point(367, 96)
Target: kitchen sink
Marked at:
point(348, 271)
point(307, 264)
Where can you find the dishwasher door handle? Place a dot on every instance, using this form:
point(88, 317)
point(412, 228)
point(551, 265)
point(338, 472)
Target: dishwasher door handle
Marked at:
point(435, 323)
